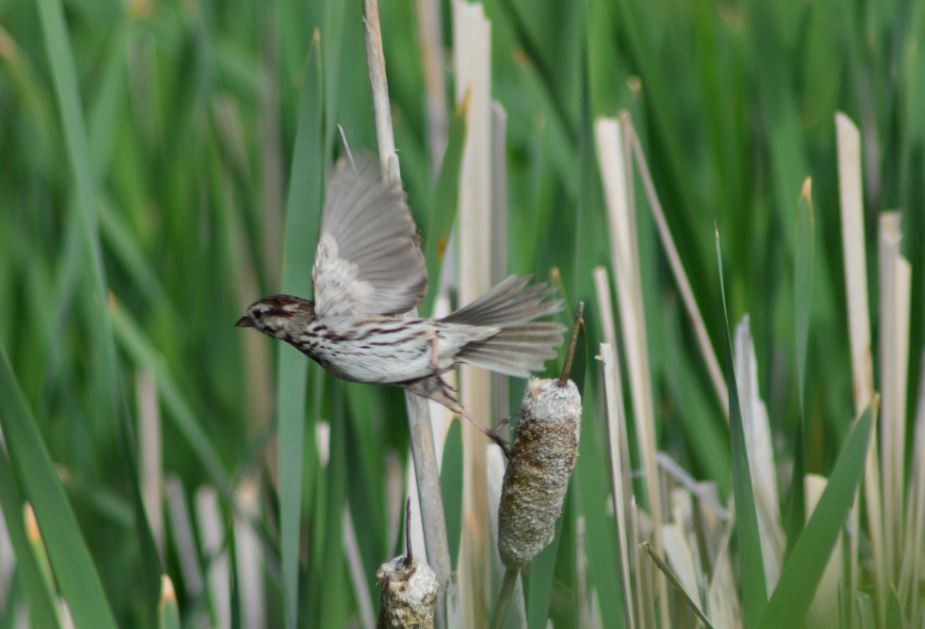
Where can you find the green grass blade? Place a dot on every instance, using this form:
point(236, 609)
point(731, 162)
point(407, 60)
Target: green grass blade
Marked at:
point(64, 74)
point(800, 575)
point(330, 609)
point(303, 211)
point(145, 355)
point(593, 493)
point(541, 573)
point(81, 158)
point(451, 486)
point(168, 612)
point(76, 575)
point(803, 281)
point(802, 306)
point(754, 588)
point(39, 596)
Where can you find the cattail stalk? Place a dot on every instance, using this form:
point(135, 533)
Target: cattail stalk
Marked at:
point(419, 424)
point(542, 459)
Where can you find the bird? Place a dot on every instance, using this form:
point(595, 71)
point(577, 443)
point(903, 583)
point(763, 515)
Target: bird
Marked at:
point(368, 277)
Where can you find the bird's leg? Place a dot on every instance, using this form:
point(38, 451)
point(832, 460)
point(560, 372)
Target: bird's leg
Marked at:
point(491, 434)
point(499, 438)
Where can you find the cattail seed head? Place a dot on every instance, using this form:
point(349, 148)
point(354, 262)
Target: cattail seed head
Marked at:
point(408, 594)
point(542, 459)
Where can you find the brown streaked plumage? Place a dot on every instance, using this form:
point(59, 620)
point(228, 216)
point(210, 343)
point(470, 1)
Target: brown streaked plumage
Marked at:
point(369, 273)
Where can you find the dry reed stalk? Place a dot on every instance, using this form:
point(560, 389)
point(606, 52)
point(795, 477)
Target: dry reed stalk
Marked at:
point(892, 374)
point(616, 173)
point(500, 399)
point(212, 540)
point(472, 66)
point(758, 441)
point(602, 292)
point(851, 201)
point(645, 607)
point(677, 269)
point(249, 555)
point(419, 424)
point(605, 307)
point(616, 422)
point(725, 610)
point(149, 454)
point(355, 568)
point(433, 61)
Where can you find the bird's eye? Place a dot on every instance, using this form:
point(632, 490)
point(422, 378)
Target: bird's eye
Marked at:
point(258, 314)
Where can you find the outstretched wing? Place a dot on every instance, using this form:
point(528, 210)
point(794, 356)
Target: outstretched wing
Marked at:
point(368, 260)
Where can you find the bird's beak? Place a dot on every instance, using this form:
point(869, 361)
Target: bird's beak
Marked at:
point(245, 322)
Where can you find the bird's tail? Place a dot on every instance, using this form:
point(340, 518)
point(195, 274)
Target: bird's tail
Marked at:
point(522, 345)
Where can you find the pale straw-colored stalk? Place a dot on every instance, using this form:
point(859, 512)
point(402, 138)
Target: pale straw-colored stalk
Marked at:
point(616, 173)
point(149, 454)
point(758, 442)
point(433, 63)
point(419, 424)
point(851, 202)
point(472, 66)
point(249, 560)
point(892, 374)
point(355, 568)
point(605, 316)
point(616, 425)
point(212, 540)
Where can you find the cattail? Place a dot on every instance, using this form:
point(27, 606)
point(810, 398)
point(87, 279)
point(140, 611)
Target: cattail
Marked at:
point(541, 461)
point(408, 589)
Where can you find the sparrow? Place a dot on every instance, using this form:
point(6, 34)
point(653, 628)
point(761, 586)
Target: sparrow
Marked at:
point(369, 276)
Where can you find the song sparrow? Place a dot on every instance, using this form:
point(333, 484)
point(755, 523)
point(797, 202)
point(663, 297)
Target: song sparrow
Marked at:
point(369, 272)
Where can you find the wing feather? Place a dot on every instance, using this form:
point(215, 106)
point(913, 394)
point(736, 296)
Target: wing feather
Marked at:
point(368, 260)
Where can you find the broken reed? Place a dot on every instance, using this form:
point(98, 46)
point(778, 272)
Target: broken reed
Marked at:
point(408, 588)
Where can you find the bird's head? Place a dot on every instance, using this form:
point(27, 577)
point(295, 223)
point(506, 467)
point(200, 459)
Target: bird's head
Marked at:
point(280, 316)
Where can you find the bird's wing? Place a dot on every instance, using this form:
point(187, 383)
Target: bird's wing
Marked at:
point(368, 259)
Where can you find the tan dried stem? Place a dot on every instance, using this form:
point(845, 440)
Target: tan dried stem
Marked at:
point(419, 424)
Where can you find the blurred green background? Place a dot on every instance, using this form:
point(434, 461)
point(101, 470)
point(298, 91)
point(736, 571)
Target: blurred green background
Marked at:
point(147, 150)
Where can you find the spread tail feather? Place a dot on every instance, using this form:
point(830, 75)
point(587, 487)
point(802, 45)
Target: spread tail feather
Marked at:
point(522, 345)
